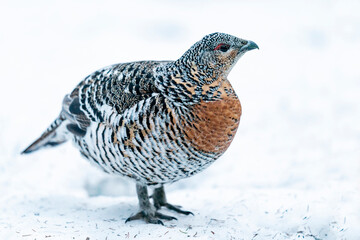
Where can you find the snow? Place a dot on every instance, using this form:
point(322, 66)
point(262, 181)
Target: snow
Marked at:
point(292, 171)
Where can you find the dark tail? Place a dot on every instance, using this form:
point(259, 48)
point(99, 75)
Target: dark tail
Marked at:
point(56, 134)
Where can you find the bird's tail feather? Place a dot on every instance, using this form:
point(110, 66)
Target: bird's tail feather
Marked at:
point(53, 136)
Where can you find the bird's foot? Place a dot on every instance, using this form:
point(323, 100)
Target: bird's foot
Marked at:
point(147, 211)
point(159, 199)
point(150, 217)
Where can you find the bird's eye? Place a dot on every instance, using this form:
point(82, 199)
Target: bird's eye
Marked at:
point(222, 47)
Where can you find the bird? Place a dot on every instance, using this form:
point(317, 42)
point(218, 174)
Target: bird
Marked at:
point(155, 122)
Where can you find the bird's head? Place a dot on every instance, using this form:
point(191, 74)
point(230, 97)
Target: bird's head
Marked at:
point(215, 54)
point(201, 70)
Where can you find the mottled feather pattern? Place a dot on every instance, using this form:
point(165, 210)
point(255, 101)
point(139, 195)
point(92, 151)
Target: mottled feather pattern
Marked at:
point(155, 122)
point(146, 143)
point(149, 147)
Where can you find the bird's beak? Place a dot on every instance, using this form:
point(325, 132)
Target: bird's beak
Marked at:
point(249, 46)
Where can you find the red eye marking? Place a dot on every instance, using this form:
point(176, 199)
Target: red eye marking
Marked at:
point(222, 47)
point(218, 46)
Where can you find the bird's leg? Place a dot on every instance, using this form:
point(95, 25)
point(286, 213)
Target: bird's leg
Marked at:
point(147, 211)
point(159, 198)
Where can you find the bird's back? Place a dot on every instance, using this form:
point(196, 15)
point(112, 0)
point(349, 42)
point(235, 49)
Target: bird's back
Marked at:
point(108, 91)
point(120, 120)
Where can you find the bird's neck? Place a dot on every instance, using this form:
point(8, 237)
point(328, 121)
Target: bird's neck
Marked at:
point(188, 83)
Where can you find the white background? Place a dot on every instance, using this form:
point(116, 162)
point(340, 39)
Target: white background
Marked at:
point(292, 171)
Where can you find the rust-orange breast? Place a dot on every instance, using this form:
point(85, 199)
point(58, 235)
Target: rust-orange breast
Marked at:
point(215, 122)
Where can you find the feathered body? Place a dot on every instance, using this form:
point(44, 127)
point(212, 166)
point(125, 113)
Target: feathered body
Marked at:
point(155, 121)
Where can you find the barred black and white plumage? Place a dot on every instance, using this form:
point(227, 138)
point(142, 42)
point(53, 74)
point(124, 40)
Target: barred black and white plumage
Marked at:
point(155, 122)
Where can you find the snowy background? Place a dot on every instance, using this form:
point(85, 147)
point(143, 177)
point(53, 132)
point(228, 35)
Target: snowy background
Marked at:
point(292, 171)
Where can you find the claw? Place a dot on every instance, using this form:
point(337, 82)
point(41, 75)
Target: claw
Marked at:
point(139, 215)
point(150, 219)
point(177, 209)
point(156, 221)
point(165, 217)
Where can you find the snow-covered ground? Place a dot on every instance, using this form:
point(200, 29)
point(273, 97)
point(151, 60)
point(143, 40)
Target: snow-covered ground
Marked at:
point(292, 171)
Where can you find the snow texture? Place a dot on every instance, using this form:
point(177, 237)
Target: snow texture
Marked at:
point(292, 171)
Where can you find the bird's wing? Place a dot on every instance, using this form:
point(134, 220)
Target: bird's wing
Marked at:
point(107, 93)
